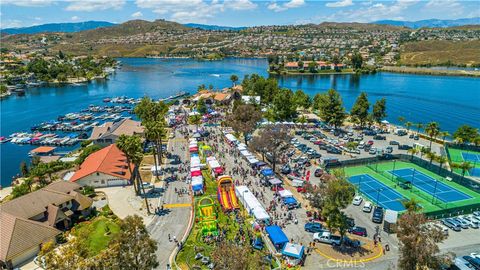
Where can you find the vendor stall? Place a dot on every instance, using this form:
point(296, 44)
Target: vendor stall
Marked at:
point(277, 236)
point(294, 254)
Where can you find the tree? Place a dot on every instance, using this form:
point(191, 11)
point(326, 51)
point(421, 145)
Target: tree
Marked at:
point(312, 67)
point(401, 119)
point(234, 79)
point(466, 133)
point(360, 109)
point(300, 65)
point(408, 125)
point(302, 100)
point(444, 135)
point(336, 60)
point(132, 247)
point(441, 159)
point(331, 108)
point(269, 140)
point(465, 166)
point(283, 107)
point(195, 120)
point(20, 190)
point(338, 195)
point(379, 110)
point(418, 243)
point(431, 156)
point(244, 119)
point(201, 106)
point(418, 126)
point(432, 130)
point(223, 259)
point(24, 168)
point(413, 151)
point(357, 61)
point(155, 131)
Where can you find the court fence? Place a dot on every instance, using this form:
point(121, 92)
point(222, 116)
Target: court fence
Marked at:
point(453, 211)
point(461, 147)
point(433, 167)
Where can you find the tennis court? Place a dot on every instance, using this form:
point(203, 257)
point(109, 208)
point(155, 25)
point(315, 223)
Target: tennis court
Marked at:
point(471, 157)
point(373, 189)
point(431, 186)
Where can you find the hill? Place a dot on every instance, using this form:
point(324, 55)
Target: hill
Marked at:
point(432, 23)
point(57, 27)
point(440, 52)
point(214, 27)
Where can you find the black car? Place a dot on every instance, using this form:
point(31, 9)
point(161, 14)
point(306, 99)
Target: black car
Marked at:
point(358, 231)
point(379, 137)
point(286, 169)
point(377, 216)
point(315, 155)
point(394, 143)
point(350, 222)
point(404, 147)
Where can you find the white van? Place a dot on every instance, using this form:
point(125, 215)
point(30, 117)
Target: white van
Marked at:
point(367, 207)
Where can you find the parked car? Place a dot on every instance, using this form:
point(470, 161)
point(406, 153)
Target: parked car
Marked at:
point(367, 207)
point(394, 143)
point(370, 142)
point(286, 169)
point(449, 224)
point(372, 151)
point(411, 136)
point(379, 137)
point(416, 138)
point(327, 237)
point(389, 149)
point(463, 223)
point(377, 216)
point(404, 147)
point(358, 231)
point(357, 200)
point(313, 227)
point(473, 223)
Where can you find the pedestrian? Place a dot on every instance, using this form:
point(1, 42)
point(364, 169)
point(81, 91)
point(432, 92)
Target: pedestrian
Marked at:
point(169, 239)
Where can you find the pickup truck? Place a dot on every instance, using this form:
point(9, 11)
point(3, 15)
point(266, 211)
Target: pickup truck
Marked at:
point(327, 238)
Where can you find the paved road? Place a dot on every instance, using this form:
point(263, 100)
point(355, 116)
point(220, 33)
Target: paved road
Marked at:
point(174, 222)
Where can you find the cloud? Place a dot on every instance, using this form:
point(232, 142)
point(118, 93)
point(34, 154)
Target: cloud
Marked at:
point(374, 12)
point(137, 14)
point(197, 11)
point(11, 23)
point(343, 3)
point(450, 7)
point(94, 5)
point(74, 18)
point(282, 7)
point(28, 3)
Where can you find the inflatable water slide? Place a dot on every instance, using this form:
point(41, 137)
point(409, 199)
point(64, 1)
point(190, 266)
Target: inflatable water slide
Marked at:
point(226, 193)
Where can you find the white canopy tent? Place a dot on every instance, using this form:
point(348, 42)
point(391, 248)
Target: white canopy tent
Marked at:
point(251, 204)
point(285, 193)
point(245, 153)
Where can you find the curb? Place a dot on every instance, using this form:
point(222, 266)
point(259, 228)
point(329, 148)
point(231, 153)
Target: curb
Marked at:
point(352, 261)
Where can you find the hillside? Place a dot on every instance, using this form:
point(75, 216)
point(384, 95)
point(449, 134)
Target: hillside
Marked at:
point(57, 27)
point(214, 27)
point(440, 52)
point(432, 23)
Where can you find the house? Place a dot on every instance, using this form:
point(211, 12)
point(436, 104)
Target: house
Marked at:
point(33, 219)
point(222, 98)
point(105, 168)
point(109, 132)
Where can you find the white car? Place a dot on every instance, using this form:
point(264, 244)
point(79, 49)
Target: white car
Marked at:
point(367, 207)
point(357, 200)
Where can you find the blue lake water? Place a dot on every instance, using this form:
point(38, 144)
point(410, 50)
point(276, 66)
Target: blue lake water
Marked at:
point(451, 101)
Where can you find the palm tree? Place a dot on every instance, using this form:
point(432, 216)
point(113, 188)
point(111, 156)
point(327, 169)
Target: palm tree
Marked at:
point(302, 120)
point(29, 182)
point(465, 166)
point(412, 205)
point(431, 156)
point(441, 160)
point(418, 126)
point(196, 120)
point(413, 151)
point(234, 79)
point(444, 135)
point(476, 141)
point(155, 131)
point(408, 125)
point(432, 130)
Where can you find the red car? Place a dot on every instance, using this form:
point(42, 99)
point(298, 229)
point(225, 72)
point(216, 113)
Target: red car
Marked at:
point(318, 142)
point(361, 231)
point(370, 142)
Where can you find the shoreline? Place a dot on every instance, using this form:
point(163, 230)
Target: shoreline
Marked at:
point(430, 71)
point(310, 74)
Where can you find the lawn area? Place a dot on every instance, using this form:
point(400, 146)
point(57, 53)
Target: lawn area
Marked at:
point(380, 172)
point(456, 157)
point(96, 231)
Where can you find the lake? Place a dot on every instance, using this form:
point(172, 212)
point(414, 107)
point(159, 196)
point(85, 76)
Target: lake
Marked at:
point(451, 101)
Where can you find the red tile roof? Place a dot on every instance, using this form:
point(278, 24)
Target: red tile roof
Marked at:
point(43, 149)
point(109, 160)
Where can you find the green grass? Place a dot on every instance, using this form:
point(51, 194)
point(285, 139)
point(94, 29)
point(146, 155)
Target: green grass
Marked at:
point(424, 199)
point(456, 157)
point(96, 229)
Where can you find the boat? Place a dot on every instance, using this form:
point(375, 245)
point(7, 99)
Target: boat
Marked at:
point(5, 139)
point(107, 99)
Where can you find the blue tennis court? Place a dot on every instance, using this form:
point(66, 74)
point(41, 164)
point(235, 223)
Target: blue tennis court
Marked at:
point(427, 184)
point(471, 157)
point(474, 172)
point(372, 188)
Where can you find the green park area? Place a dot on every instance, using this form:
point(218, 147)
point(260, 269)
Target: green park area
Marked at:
point(234, 230)
point(458, 156)
point(96, 233)
point(428, 203)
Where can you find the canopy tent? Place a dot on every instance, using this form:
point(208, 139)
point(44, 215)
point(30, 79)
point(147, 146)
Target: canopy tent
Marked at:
point(260, 164)
point(293, 250)
point(245, 153)
point(289, 200)
point(196, 173)
point(230, 137)
point(276, 235)
point(196, 135)
point(251, 203)
point(285, 193)
point(385, 122)
point(195, 162)
point(242, 146)
point(218, 170)
point(252, 160)
point(267, 172)
point(156, 170)
point(213, 164)
point(274, 181)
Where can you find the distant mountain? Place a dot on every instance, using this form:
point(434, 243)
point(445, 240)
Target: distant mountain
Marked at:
point(213, 27)
point(58, 27)
point(432, 23)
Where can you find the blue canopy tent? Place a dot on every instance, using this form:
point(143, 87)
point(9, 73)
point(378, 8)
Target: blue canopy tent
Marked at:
point(277, 236)
point(266, 172)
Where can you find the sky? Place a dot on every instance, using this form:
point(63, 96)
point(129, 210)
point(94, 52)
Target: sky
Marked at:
point(21, 13)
